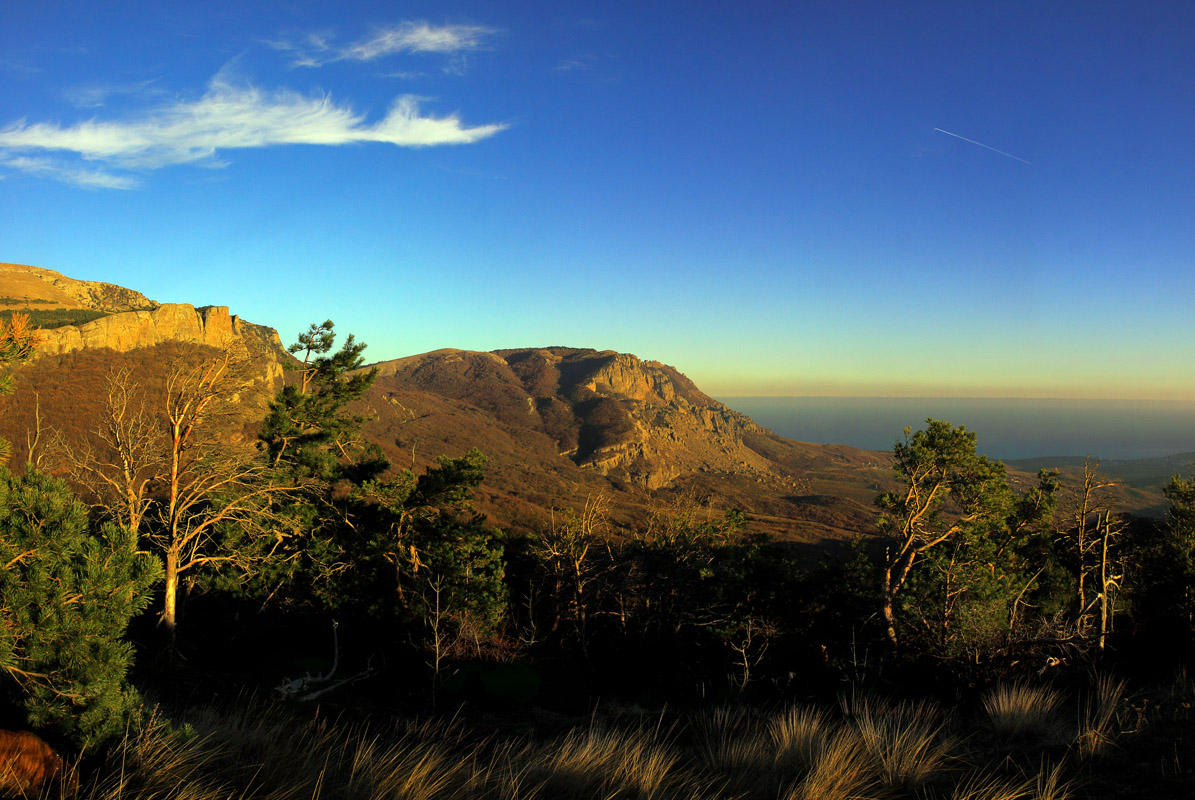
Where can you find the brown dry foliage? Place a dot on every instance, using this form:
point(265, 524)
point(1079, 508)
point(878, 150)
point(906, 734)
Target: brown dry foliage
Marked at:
point(71, 389)
point(29, 766)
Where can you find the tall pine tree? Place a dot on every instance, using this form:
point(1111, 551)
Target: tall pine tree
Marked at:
point(310, 432)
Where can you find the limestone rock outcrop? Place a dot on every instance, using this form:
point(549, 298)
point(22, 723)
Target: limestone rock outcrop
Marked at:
point(169, 322)
point(131, 320)
point(642, 419)
point(172, 322)
point(611, 413)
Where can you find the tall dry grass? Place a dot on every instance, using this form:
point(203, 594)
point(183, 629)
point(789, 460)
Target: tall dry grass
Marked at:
point(1020, 712)
point(841, 770)
point(876, 751)
point(1098, 715)
point(596, 762)
point(908, 741)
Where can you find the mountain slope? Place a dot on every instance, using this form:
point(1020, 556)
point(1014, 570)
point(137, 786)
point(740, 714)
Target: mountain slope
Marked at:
point(560, 424)
point(89, 329)
point(40, 288)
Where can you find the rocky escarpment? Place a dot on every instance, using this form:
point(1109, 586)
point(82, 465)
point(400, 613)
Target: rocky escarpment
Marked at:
point(610, 413)
point(131, 321)
point(640, 419)
point(173, 322)
point(169, 322)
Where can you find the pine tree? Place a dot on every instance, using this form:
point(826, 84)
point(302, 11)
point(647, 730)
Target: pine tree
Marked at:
point(309, 430)
point(948, 492)
point(313, 441)
point(66, 598)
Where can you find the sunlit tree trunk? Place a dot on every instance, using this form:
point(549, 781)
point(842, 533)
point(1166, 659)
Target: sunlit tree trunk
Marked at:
point(170, 606)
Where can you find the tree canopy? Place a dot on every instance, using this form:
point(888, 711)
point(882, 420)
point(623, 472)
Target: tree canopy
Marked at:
point(947, 489)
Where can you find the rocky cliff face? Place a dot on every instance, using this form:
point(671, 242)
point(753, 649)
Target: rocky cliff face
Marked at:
point(610, 413)
point(169, 322)
point(640, 419)
point(213, 326)
point(134, 321)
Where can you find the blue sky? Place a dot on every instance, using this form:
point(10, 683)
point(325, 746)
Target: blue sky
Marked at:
point(772, 197)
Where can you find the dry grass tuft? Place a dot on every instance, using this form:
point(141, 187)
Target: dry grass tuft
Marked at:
point(734, 744)
point(1051, 783)
point(1098, 715)
point(607, 764)
point(906, 740)
point(842, 770)
point(798, 737)
point(1020, 711)
point(988, 786)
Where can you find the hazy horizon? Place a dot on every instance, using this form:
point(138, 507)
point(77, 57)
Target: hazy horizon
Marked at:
point(1005, 428)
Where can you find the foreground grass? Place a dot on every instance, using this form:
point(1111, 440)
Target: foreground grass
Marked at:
point(1024, 744)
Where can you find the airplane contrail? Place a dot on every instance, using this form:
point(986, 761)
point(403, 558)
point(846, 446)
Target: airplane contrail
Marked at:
point(981, 144)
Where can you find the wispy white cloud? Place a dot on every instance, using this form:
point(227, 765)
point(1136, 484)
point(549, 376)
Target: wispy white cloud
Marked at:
point(311, 50)
point(403, 75)
point(96, 95)
point(574, 64)
point(9, 64)
point(417, 37)
point(76, 176)
point(314, 50)
point(228, 116)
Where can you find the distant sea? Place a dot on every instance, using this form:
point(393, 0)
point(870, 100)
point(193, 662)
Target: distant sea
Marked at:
point(1005, 428)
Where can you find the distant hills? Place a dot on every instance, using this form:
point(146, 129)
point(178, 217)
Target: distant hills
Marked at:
point(1143, 473)
point(559, 425)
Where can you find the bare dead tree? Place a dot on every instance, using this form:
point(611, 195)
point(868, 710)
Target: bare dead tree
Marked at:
point(125, 454)
point(750, 646)
point(35, 454)
point(1108, 528)
point(567, 548)
point(210, 484)
point(1091, 529)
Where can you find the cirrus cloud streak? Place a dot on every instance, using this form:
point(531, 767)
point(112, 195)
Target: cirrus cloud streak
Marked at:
point(229, 117)
point(417, 37)
point(76, 176)
point(315, 50)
